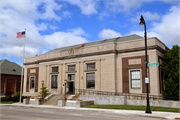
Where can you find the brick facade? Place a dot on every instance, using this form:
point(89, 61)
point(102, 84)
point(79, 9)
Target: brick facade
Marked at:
point(125, 71)
point(7, 87)
point(36, 73)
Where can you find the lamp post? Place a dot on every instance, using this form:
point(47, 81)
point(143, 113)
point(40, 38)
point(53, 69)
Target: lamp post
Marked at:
point(65, 90)
point(143, 24)
point(42, 90)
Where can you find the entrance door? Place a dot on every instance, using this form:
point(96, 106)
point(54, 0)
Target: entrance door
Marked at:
point(71, 84)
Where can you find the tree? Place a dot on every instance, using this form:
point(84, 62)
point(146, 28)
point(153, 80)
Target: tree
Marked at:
point(44, 90)
point(170, 69)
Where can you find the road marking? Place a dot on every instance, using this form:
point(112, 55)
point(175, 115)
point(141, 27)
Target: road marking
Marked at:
point(47, 112)
point(75, 114)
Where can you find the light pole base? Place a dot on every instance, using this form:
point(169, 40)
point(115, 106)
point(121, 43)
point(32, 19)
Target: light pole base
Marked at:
point(148, 110)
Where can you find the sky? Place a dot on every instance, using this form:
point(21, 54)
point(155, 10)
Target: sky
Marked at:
point(52, 24)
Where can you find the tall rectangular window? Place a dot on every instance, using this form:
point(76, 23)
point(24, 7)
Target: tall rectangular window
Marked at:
point(54, 81)
point(32, 80)
point(90, 80)
point(54, 69)
point(91, 66)
point(10, 82)
point(71, 68)
point(135, 79)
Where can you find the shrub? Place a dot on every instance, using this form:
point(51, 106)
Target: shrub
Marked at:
point(7, 98)
point(14, 99)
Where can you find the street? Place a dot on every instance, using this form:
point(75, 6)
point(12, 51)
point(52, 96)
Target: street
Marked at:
point(21, 113)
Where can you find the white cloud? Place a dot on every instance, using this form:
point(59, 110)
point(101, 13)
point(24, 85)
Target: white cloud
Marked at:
point(61, 39)
point(42, 27)
point(131, 5)
point(18, 15)
point(108, 33)
point(147, 16)
point(168, 29)
point(18, 51)
point(87, 7)
point(66, 14)
point(102, 15)
point(123, 5)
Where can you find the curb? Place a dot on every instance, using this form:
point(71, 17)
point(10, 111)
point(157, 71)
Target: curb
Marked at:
point(125, 112)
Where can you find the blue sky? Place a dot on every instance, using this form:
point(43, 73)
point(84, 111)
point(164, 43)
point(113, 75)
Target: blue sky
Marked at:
point(57, 23)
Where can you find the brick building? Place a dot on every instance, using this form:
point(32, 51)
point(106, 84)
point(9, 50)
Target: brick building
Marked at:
point(114, 65)
point(10, 77)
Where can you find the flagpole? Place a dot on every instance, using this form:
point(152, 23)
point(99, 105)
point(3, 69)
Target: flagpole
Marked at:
point(22, 69)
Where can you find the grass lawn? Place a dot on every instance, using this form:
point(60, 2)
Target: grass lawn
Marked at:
point(7, 102)
point(133, 107)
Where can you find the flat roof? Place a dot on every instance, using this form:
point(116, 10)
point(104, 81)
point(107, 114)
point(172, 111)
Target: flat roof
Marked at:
point(114, 40)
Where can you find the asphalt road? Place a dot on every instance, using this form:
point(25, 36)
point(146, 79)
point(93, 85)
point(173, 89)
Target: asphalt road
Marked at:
point(22, 113)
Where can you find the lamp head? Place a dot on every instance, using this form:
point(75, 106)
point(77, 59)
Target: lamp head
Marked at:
point(142, 22)
point(65, 81)
point(43, 82)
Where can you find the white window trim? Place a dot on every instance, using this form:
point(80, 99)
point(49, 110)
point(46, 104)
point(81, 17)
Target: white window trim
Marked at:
point(54, 66)
point(51, 79)
point(140, 79)
point(94, 80)
point(67, 68)
point(70, 74)
point(30, 81)
point(91, 63)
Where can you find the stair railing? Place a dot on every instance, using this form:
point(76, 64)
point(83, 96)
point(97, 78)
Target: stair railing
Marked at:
point(53, 91)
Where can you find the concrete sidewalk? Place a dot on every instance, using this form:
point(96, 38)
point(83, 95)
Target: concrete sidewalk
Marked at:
point(155, 114)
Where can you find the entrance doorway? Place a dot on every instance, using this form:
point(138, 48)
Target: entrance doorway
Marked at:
point(71, 84)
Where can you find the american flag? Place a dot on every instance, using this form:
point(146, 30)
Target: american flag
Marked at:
point(20, 34)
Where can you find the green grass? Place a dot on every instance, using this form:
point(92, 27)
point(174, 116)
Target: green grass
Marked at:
point(7, 102)
point(133, 107)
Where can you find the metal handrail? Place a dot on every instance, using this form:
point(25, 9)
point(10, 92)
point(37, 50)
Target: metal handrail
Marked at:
point(129, 95)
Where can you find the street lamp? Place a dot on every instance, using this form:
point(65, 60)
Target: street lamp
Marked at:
point(65, 90)
point(143, 24)
point(42, 90)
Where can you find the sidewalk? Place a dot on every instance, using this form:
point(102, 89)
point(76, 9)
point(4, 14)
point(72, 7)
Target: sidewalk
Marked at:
point(155, 114)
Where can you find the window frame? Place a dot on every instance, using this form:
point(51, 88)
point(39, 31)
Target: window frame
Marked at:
point(55, 67)
point(70, 66)
point(57, 81)
point(10, 83)
point(94, 80)
point(135, 79)
point(30, 82)
point(90, 64)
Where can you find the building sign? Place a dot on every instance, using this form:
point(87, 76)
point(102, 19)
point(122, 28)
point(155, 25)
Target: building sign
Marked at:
point(146, 80)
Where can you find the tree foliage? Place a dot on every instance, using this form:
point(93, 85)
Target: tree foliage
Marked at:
point(44, 90)
point(170, 69)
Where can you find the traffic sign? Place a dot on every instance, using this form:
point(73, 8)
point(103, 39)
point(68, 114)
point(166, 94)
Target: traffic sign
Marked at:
point(153, 64)
point(145, 61)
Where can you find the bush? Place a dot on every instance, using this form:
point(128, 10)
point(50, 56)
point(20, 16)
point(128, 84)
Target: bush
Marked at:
point(14, 99)
point(7, 98)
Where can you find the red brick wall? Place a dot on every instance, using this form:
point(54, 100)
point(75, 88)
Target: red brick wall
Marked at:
point(125, 73)
point(6, 87)
point(36, 78)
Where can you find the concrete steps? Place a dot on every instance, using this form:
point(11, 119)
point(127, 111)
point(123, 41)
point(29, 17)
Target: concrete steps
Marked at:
point(54, 99)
